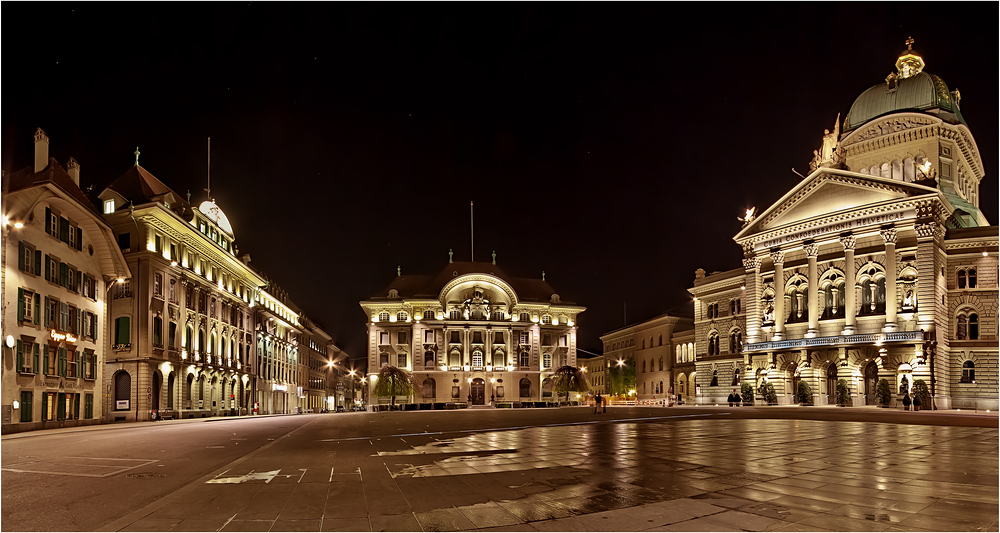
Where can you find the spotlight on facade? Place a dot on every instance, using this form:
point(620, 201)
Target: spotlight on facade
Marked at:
point(20, 225)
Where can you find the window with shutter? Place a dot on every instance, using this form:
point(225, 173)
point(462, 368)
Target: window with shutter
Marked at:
point(26, 406)
point(63, 229)
point(38, 262)
point(20, 304)
point(79, 239)
point(34, 359)
point(20, 356)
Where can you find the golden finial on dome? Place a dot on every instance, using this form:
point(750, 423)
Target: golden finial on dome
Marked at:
point(909, 63)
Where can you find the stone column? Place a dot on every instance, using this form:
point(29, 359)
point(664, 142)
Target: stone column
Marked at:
point(812, 250)
point(850, 274)
point(778, 258)
point(889, 235)
point(751, 298)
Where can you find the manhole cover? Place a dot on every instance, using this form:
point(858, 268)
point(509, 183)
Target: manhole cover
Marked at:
point(144, 475)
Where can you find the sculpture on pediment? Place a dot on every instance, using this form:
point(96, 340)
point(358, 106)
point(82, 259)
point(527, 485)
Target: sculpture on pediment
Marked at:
point(830, 153)
point(749, 217)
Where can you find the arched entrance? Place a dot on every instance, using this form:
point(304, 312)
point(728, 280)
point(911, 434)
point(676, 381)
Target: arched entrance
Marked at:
point(681, 385)
point(477, 393)
point(157, 384)
point(831, 383)
point(871, 380)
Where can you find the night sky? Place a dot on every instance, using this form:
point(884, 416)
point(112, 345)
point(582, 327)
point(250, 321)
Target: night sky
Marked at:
point(611, 145)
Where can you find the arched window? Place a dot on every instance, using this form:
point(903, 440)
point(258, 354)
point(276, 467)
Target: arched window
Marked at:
point(402, 316)
point(873, 297)
point(968, 372)
point(713, 344)
point(661, 363)
point(201, 340)
point(383, 316)
point(547, 388)
point(524, 388)
point(972, 278)
point(524, 317)
point(428, 314)
point(973, 326)
point(643, 344)
point(546, 319)
point(961, 279)
point(157, 331)
point(644, 387)
point(428, 358)
point(715, 379)
point(736, 342)
point(428, 388)
point(661, 341)
point(643, 366)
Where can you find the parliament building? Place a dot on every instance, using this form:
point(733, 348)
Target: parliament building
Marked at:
point(878, 265)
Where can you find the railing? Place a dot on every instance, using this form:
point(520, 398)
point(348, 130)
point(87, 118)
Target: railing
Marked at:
point(864, 338)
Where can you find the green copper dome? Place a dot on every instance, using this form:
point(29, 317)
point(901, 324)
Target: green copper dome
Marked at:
point(921, 92)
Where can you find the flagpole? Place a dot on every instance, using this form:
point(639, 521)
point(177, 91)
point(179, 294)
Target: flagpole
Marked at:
point(472, 232)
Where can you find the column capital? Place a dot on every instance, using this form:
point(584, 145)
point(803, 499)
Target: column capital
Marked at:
point(929, 230)
point(811, 249)
point(778, 257)
point(751, 264)
point(889, 235)
point(848, 241)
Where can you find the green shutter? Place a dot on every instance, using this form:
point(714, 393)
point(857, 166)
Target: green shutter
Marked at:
point(48, 220)
point(20, 304)
point(63, 271)
point(79, 322)
point(76, 406)
point(88, 405)
point(20, 255)
point(62, 362)
point(38, 308)
point(79, 241)
point(46, 320)
point(93, 326)
point(78, 286)
point(45, 362)
point(34, 359)
point(20, 356)
point(63, 229)
point(47, 267)
point(38, 262)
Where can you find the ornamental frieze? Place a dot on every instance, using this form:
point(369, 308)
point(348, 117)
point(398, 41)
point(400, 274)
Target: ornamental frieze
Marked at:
point(892, 125)
point(873, 217)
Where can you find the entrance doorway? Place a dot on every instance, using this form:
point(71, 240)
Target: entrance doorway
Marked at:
point(831, 383)
point(871, 380)
point(478, 392)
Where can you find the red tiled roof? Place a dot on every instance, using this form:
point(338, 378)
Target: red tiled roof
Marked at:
point(52, 173)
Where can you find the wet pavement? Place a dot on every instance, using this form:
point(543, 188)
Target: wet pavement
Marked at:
point(683, 472)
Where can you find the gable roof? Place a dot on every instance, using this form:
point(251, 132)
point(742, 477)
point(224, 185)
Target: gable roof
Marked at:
point(138, 186)
point(53, 173)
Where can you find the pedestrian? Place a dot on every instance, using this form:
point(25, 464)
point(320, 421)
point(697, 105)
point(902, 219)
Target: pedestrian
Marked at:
point(604, 405)
point(597, 404)
point(733, 398)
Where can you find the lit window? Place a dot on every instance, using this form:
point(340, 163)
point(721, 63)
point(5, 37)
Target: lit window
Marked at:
point(109, 207)
point(546, 319)
point(968, 372)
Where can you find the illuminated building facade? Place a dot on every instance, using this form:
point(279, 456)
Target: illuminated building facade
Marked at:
point(181, 337)
point(327, 383)
point(649, 346)
point(59, 260)
point(878, 265)
point(471, 334)
point(282, 375)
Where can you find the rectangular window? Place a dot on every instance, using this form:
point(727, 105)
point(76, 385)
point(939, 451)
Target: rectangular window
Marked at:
point(26, 257)
point(383, 337)
point(401, 337)
point(562, 340)
point(71, 237)
point(546, 339)
point(477, 337)
point(88, 406)
point(125, 241)
point(498, 337)
point(525, 338)
point(109, 207)
point(171, 334)
point(24, 306)
point(173, 290)
point(26, 405)
point(454, 338)
point(54, 225)
point(122, 332)
point(401, 360)
point(547, 360)
point(429, 336)
point(158, 243)
point(158, 285)
point(71, 364)
point(52, 360)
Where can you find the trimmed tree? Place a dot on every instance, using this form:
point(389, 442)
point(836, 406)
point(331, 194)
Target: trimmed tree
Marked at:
point(804, 394)
point(843, 393)
point(622, 377)
point(883, 392)
point(769, 394)
point(569, 379)
point(392, 382)
point(746, 393)
point(921, 391)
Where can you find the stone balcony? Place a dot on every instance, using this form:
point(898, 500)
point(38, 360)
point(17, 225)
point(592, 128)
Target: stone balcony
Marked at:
point(838, 340)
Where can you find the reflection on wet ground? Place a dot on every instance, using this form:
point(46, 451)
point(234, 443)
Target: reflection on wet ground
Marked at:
point(839, 476)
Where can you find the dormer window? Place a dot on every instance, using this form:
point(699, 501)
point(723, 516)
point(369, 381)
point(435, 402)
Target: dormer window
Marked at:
point(383, 316)
point(109, 206)
point(393, 293)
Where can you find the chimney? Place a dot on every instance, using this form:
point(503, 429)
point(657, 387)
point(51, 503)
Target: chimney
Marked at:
point(73, 169)
point(41, 150)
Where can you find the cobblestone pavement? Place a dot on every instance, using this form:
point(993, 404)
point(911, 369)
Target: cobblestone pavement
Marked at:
point(683, 472)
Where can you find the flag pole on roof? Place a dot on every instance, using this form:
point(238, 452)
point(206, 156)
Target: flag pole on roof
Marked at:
point(209, 188)
point(472, 232)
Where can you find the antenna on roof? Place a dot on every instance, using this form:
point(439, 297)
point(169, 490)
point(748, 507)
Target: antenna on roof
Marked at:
point(209, 188)
point(472, 232)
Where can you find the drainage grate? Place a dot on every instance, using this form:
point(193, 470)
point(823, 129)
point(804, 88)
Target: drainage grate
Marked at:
point(145, 475)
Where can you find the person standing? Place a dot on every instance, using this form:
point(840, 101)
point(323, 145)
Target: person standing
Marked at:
point(597, 404)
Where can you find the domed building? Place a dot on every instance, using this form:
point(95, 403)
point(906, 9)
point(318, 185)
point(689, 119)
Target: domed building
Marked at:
point(471, 334)
point(878, 265)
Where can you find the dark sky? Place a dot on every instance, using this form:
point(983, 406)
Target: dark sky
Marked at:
point(611, 145)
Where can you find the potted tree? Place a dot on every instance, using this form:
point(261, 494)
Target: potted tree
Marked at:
point(843, 393)
point(906, 401)
point(769, 394)
point(393, 382)
point(804, 393)
point(883, 392)
point(921, 395)
point(746, 392)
